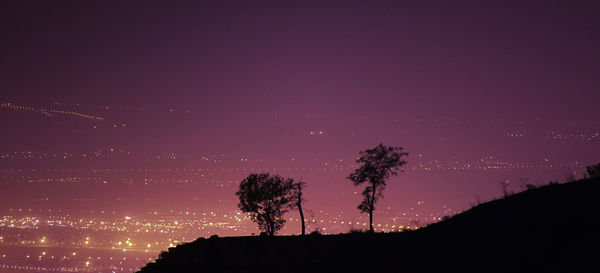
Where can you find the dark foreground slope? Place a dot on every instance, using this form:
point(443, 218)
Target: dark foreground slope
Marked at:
point(550, 229)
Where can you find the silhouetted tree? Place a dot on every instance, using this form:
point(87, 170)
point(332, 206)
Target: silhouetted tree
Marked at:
point(378, 164)
point(593, 171)
point(298, 187)
point(504, 186)
point(267, 198)
point(523, 184)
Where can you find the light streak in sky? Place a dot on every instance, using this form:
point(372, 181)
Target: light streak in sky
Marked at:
point(48, 112)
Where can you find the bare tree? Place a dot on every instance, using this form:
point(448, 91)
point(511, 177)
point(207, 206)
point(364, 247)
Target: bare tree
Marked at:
point(523, 183)
point(504, 186)
point(298, 187)
point(378, 164)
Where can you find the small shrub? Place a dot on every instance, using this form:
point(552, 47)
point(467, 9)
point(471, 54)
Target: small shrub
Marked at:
point(530, 186)
point(504, 187)
point(593, 171)
point(356, 230)
point(569, 177)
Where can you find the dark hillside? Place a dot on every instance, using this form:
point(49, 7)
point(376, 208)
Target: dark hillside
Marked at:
point(549, 229)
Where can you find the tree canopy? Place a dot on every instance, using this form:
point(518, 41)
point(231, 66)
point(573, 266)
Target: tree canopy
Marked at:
point(267, 198)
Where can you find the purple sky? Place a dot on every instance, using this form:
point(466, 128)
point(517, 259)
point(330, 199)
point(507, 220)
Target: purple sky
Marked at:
point(452, 81)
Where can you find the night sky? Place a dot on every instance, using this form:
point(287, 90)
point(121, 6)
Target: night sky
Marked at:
point(476, 91)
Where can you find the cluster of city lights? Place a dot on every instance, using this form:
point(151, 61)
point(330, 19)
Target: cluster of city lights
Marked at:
point(570, 136)
point(214, 175)
point(101, 240)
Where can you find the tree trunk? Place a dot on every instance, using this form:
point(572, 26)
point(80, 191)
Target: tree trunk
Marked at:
point(269, 224)
point(301, 214)
point(371, 208)
point(270, 231)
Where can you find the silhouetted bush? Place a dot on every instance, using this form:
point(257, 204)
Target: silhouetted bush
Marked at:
point(569, 177)
point(315, 233)
point(593, 171)
point(530, 186)
point(357, 230)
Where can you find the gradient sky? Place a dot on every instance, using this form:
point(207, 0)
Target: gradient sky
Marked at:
point(449, 80)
